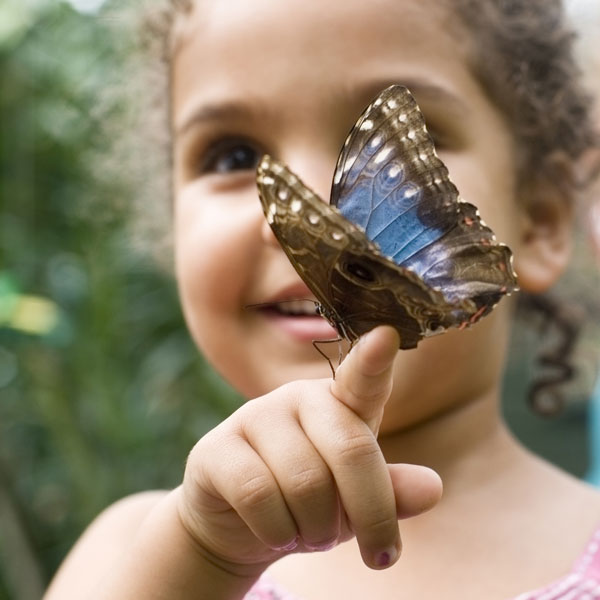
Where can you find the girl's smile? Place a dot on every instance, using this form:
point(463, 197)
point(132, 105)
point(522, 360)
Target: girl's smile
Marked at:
point(293, 309)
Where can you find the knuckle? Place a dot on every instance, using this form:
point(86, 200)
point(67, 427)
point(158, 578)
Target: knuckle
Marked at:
point(254, 491)
point(359, 447)
point(269, 407)
point(371, 391)
point(381, 526)
point(248, 413)
point(195, 468)
point(197, 454)
point(308, 482)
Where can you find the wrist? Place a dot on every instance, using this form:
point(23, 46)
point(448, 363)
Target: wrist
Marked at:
point(244, 570)
point(166, 561)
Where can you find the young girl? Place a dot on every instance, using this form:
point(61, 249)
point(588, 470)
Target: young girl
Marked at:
point(298, 494)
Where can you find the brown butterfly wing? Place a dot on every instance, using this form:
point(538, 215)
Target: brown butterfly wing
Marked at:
point(357, 287)
point(390, 181)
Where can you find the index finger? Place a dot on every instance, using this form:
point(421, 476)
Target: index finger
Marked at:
point(364, 380)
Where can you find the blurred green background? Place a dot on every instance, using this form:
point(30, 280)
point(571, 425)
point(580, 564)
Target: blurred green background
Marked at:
point(102, 392)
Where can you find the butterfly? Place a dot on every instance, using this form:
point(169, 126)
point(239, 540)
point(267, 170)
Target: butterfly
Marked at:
point(396, 245)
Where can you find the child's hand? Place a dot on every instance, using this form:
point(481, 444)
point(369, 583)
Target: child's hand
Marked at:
point(300, 470)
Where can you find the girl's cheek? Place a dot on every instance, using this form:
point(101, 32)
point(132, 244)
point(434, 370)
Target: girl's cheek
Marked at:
point(216, 239)
point(490, 185)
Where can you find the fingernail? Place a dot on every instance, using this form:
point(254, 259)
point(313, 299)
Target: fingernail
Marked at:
point(288, 547)
point(387, 558)
point(323, 546)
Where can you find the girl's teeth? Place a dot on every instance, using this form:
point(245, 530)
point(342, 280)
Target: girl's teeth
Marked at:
point(297, 307)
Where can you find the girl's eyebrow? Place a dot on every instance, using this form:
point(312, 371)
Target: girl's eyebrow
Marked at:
point(424, 90)
point(438, 94)
point(218, 111)
point(234, 110)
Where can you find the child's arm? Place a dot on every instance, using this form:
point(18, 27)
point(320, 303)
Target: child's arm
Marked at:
point(282, 466)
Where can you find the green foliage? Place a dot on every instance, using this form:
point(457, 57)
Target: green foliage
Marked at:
point(102, 393)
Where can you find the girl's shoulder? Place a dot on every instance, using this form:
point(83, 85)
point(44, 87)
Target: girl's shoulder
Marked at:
point(583, 581)
point(95, 550)
point(119, 521)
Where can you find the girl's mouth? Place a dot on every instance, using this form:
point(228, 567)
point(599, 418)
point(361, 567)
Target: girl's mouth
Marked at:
point(298, 318)
point(294, 308)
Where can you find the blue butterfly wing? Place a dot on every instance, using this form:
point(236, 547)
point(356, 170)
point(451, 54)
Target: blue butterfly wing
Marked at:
point(356, 287)
point(390, 182)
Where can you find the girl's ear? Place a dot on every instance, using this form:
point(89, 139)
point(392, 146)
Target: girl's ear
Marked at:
point(546, 226)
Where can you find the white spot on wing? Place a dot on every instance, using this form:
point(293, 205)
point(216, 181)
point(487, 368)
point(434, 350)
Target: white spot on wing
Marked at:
point(382, 155)
point(366, 125)
point(376, 141)
point(349, 162)
point(394, 171)
point(409, 192)
point(296, 205)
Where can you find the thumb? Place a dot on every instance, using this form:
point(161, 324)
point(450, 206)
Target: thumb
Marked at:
point(417, 489)
point(364, 380)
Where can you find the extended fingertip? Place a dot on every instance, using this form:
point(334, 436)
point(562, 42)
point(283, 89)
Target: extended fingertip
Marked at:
point(364, 380)
point(378, 349)
point(433, 488)
point(418, 489)
point(387, 558)
point(385, 333)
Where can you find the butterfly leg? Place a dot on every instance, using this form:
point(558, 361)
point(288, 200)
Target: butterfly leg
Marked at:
point(340, 357)
point(340, 352)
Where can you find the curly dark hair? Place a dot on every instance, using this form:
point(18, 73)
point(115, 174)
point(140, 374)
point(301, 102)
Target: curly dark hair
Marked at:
point(524, 58)
point(523, 55)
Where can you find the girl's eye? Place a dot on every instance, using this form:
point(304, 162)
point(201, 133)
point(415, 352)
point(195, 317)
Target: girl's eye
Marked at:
point(231, 155)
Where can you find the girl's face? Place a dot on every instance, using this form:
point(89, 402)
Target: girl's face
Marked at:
point(290, 78)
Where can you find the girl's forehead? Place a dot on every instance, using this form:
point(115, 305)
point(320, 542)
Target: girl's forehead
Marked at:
point(266, 43)
point(261, 23)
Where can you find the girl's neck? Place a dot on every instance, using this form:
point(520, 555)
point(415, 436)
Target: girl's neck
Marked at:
point(466, 445)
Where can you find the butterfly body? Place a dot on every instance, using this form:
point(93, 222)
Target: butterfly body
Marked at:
point(396, 245)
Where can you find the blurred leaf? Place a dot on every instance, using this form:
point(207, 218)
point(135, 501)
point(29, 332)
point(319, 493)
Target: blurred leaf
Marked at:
point(102, 392)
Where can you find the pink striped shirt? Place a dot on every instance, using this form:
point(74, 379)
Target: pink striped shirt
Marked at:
point(582, 583)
